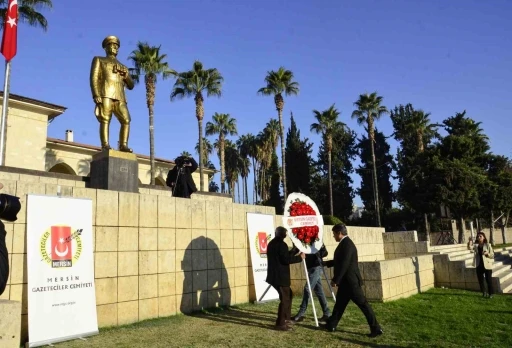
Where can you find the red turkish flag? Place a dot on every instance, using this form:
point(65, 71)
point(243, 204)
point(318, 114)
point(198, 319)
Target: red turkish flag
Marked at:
point(9, 39)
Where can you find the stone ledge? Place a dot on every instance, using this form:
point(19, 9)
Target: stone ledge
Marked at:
point(15, 170)
point(10, 324)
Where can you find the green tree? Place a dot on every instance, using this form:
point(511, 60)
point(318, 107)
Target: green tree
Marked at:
point(343, 145)
point(278, 83)
point(28, 12)
point(149, 62)
point(195, 83)
point(456, 168)
point(496, 197)
point(275, 198)
point(414, 131)
point(369, 109)
point(223, 125)
point(385, 167)
point(298, 160)
point(244, 148)
point(207, 151)
point(326, 124)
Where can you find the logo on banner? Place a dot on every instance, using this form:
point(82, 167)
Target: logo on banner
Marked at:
point(60, 247)
point(262, 239)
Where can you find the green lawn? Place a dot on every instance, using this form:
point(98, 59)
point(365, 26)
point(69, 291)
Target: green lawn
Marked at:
point(437, 318)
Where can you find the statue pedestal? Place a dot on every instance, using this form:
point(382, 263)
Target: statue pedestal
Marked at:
point(115, 170)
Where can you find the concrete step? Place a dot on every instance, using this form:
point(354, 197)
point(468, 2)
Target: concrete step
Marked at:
point(445, 249)
point(499, 269)
point(505, 276)
point(460, 253)
point(460, 257)
point(506, 286)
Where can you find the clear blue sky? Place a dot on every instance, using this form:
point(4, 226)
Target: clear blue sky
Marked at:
point(441, 56)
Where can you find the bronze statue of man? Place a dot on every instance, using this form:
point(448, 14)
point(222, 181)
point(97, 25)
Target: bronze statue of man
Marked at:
point(108, 80)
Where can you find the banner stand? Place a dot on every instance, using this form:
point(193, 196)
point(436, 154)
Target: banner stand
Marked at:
point(60, 270)
point(310, 293)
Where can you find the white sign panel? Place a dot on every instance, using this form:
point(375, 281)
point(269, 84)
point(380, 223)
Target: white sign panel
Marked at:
point(60, 264)
point(261, 231)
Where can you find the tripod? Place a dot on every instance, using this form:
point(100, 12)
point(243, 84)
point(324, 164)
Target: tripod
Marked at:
point(176, 181)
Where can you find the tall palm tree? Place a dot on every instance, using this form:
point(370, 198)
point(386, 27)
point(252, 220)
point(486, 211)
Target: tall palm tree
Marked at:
point(232, 167)
point(272, 130)
point(185, 153)
point(327, 123)
point(207, 151)
point(149, 62)
point(252, 152)
point(244, 147)
point(28, 12)
point(369, 109)
point(194, 83)
point(279, 82)
point(223, 125)
point(420, 126)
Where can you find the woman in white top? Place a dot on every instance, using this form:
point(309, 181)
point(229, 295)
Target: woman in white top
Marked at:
point(482, 261)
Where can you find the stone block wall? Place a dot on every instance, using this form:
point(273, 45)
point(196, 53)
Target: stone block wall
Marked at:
point(455, 274)
point(156, 255)
point(403, 244)
point(398, 278)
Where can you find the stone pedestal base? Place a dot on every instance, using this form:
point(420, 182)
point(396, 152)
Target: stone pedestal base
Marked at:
point(115, 170)
point(10, 324)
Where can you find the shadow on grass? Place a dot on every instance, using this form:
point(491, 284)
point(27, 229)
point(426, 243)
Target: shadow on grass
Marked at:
point(234, 315)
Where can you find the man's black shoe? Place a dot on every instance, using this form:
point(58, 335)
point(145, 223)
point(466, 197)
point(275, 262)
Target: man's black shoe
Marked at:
point(325, 318)
point(297, 319)
point(329, 328)
point(376, 333)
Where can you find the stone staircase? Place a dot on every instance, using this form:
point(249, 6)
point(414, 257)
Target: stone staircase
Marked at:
point(455, 269)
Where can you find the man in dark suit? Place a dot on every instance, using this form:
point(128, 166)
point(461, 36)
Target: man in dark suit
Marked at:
point(348, 280)
point(179, 178)
point(278, 275)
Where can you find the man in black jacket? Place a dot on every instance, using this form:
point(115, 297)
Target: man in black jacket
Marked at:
point(179, 178)
point(348, 280)
point(314, 266)
point(278, 275)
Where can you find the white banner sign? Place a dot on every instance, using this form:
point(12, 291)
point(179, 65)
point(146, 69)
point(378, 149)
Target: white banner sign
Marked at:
point(60, 264)
point(261, 231)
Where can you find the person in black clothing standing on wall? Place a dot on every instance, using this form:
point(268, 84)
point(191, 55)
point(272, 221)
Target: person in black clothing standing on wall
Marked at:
point(278, 275)
point(179, 178)
point(348, 280)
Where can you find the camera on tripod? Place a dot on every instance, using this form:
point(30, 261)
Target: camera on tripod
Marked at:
point(10, 206)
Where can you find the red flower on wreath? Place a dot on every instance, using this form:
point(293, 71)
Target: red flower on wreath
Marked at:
point(307, 234)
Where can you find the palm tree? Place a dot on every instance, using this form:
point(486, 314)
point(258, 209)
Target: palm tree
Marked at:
point(231, 166)
point(252, 152)
point(279, 82)
point(420, 126)
point(28, 12)
point(185, 153)
point(194, 83)
point(207, 151)
point(327, 123)
point(223, 125)
point(369, 109)
point(244, 147)
point(149, 62)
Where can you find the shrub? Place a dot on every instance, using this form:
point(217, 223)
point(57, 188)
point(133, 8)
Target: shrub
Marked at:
point(331, 220)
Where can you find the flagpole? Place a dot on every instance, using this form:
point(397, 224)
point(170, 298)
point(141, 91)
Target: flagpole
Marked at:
point(5, 104)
